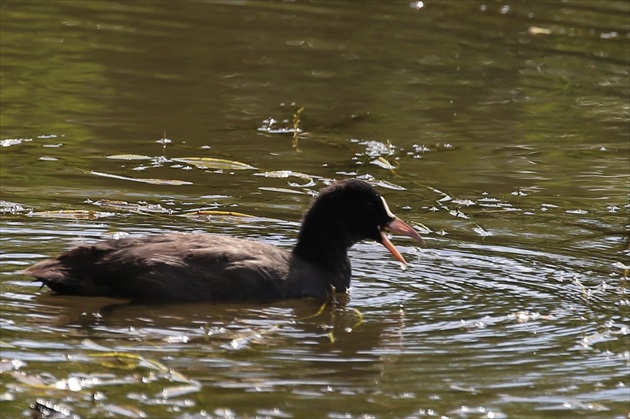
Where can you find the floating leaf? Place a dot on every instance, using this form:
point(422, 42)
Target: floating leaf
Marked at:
point(385, 164)
point(458, 214)
point(117, 359)
point(151, 181)
point(423, 229)
point(281, 174)
point(212, 163)
point(158, 366)
point(389, 185)
point(126, 206)
point(437, 191)
point(118, 205)
point(482, 232)
point(129, 157)
point(76, 214)
point(218, 213)
point(283, 190)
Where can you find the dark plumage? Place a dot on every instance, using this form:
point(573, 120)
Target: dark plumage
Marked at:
point(197, 267)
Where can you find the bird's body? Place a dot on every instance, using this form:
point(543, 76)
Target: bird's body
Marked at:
point(177, 264)
point(199, 267)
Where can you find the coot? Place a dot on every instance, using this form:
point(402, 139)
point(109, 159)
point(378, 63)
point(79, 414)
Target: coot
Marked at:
point(198, 267)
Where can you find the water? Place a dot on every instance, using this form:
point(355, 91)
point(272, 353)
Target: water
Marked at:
point(499, 129)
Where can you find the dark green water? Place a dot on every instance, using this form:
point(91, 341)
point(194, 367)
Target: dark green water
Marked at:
point(507, 127)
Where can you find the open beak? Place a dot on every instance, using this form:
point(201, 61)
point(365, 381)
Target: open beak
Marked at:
point(397, 226)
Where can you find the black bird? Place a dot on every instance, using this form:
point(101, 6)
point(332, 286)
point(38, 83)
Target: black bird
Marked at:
point(198, 267)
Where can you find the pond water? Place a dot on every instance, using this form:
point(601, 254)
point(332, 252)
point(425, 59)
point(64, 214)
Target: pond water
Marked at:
point(499, 129)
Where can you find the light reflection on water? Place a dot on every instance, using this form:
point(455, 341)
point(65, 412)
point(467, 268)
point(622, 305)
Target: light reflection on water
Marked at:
point(462, 309)
point(454, 315)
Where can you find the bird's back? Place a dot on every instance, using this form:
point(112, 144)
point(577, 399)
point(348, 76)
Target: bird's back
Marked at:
point(172, 267)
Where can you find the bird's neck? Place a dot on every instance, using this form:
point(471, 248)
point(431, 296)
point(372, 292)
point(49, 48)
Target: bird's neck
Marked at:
point(328, 254)
point(325, 254)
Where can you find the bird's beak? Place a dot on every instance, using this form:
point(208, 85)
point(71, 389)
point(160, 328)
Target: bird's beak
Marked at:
point(397, 226)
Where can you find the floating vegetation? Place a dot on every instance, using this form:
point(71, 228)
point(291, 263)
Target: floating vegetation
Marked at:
point(216, 213)
point(72, 214)
point(388, 185)
point(83, 389)
point(375, 152)
point(164, 140)
point(423, 228)
point(457, 213)
point(445, 196)
point(212, 163)
point(482, 231)
point(126, 361)
point(199, 162)
point(385, 164)
point(129, 157)
point(332, 303)
point(126, 206)
point(283, 174)
point(141, 180)
point(273, 126)
point(296, 127)
point(281, 190)
point(445, 199)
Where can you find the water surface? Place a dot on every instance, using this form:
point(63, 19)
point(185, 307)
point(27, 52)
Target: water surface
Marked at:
point(499, 129)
